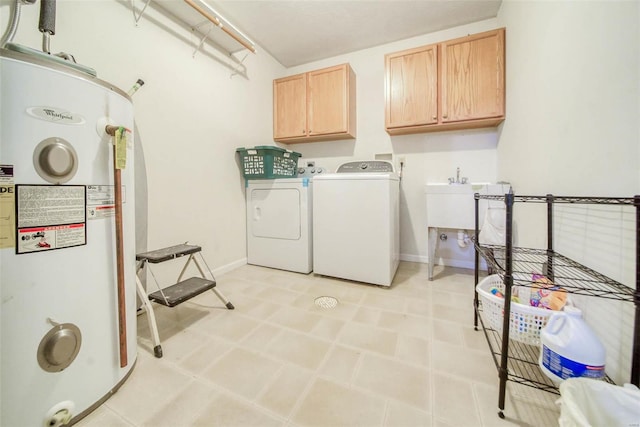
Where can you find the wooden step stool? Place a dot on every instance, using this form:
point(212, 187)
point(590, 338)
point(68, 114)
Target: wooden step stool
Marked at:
point(176, 294)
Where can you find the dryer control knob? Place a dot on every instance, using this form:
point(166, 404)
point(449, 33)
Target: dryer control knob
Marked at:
point(363, 166)
point(300, 171)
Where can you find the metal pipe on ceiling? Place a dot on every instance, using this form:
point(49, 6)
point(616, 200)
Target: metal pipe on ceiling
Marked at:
point(217, 19)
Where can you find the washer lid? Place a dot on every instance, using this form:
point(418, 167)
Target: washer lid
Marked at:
point(370, 176)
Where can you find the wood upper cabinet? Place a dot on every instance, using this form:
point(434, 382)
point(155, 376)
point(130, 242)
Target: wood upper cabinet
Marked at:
point(473, 77)
point(289, 107)
point(412, 87)
point(457, 84)
point(315, 106)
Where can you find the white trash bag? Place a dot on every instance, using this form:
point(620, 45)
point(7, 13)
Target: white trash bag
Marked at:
point(586, 402)
point(493, 230)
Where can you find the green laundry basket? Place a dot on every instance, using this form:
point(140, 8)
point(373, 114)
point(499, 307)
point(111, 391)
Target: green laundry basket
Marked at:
point(268, 162)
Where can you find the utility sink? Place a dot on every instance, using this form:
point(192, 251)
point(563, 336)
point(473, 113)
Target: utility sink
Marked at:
point(445, 188)
point(453, 205)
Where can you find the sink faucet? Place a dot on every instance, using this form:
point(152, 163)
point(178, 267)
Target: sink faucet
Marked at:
point(457, 180)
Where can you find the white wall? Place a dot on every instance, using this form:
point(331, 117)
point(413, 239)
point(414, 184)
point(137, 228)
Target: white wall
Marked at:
point(573, 100)
point(191, 114)
point(429, 157)
point(573, 103)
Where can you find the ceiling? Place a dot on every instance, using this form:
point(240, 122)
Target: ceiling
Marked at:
point(296, 32)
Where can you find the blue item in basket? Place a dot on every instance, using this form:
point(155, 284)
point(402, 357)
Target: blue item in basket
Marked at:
point(495, 291)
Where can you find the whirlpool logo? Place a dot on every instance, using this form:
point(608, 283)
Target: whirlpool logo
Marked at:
point(51, 114)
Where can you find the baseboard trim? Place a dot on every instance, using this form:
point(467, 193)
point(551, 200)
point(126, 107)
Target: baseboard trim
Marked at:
point(469, 265)
point(459, 263)
point(414, 258)
point(229, 267)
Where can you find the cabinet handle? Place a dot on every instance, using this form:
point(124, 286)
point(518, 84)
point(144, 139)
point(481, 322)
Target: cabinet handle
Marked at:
point(434, 118)
point(444, 116)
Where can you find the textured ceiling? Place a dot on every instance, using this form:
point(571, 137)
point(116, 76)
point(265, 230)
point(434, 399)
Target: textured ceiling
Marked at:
point(302, 31)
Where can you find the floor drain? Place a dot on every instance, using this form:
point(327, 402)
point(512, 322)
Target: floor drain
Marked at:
point(326, 302)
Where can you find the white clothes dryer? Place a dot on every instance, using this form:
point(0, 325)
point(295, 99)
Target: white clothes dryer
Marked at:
point(279, 218)
point(356, 222)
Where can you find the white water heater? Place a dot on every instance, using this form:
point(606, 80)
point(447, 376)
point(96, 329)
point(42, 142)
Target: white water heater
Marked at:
point(61, 340)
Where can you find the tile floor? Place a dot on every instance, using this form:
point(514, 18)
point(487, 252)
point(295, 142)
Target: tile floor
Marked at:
point(400, 356)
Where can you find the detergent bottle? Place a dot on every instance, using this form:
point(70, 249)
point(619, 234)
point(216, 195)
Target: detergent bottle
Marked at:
point(570, 348)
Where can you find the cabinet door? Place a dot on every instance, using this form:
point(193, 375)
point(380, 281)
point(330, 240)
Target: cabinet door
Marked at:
point(328, 101)
point(472, 79)
point(412, 87)
point(289, 107)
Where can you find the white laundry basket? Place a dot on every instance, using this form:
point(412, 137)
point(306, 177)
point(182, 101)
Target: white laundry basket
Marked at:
point(525, 321)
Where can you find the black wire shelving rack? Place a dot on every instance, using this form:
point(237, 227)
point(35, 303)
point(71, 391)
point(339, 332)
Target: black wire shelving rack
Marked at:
point(518, 362)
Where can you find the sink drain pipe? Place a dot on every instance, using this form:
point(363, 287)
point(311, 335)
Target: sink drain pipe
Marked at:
point(463, 239)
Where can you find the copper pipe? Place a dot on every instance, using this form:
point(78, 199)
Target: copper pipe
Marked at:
point(122, 315)
point(111, 130)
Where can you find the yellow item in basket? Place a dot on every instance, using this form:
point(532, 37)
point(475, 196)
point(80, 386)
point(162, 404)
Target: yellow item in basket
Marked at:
point(544, 294)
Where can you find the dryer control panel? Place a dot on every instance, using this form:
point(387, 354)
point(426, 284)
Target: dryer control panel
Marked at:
point(310, 171)
point(366, 166)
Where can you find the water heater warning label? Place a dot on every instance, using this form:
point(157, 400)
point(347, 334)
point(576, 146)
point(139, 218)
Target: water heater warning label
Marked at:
point(101, 201)
point(50, 217)
point(7, 208)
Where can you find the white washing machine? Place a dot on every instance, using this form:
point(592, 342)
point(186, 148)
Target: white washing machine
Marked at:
point(279, 218)
point(356, 229)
